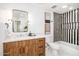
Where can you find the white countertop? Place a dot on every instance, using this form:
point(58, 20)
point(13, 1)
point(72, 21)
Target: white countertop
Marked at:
point(22, 38)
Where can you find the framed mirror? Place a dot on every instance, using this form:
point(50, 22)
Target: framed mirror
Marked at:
point(20, 21)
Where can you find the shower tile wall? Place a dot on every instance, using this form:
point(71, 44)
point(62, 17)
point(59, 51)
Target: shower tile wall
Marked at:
point(78, 26)
point(66, 26)
point(57, 27)
point(70, 26)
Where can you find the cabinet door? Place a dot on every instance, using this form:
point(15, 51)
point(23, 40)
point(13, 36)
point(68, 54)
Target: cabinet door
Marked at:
point(9, 49)
point(32, 47)
point(40, 47)
point(23, 47)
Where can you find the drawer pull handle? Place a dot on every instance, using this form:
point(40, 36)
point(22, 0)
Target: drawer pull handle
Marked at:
point(40, 46)
point(41, 54)
point(40, 40)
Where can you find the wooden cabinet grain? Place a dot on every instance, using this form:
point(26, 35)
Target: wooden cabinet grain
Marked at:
point(40, 47)
point(33, 47)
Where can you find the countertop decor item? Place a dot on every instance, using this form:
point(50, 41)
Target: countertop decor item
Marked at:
point(31, 34)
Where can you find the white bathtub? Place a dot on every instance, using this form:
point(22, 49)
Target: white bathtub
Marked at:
point(61, 48)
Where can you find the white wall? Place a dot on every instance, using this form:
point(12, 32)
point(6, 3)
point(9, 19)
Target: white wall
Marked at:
point(35, 13)
point(36, 16)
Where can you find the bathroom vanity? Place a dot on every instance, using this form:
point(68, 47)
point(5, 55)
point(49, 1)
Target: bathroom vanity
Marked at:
point(30, 46)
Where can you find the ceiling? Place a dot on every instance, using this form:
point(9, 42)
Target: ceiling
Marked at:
point(69, 6)
point(58, 6)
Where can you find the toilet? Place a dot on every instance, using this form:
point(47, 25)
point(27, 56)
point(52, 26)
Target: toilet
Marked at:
point(51, 47)
point(54, 47)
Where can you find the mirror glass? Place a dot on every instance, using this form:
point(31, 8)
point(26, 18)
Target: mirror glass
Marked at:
point(20, 21)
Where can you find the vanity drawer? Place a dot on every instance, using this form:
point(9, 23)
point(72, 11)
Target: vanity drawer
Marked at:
point(41, 42)
point(10, 48)
point(40, 52)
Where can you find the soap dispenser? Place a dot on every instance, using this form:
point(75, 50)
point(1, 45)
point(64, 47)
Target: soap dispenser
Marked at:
point(30, 34)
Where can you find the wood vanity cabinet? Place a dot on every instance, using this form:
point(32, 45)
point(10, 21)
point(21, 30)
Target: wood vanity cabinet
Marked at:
point(32, 47)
